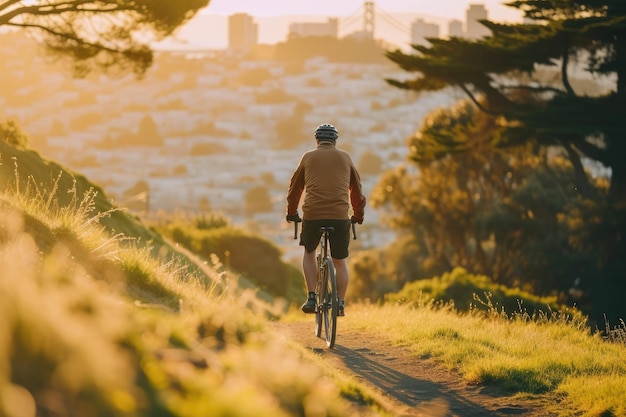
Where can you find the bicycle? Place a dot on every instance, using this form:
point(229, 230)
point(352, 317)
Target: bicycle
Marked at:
point(327, 299)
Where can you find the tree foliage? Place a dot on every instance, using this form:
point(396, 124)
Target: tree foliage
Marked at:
point(100, 34)
point(257, 200)
point(511, 213)
point(11, 133)
point(256, 258)
point(523, 76)
point(579, 38)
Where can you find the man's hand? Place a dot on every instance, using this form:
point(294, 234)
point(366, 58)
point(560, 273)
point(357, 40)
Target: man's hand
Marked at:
point(293, 218)
point(356, 220)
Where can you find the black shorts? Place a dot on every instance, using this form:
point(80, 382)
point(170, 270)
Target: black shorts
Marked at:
point(339, 238)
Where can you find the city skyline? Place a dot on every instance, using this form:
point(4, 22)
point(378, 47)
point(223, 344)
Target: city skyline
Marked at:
point(210, 30)
point(450, 9)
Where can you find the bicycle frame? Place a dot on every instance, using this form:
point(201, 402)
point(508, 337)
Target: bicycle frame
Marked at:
point(326, 292)
point(327, 298)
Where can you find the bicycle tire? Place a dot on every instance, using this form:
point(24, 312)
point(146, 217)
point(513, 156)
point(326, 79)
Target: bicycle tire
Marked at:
point(331, 303)
point(320, 294)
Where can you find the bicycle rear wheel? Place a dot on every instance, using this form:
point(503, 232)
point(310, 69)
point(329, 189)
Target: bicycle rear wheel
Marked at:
point(320, 295)
point(331, 303)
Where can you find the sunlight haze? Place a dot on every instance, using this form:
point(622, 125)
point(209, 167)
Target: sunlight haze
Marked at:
point(452, 9)
point(273, 17)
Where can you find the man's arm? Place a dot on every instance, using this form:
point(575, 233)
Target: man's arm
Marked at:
point(357, 199)
point(296, 188)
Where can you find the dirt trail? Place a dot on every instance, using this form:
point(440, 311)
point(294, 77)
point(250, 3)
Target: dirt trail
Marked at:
point(416, 387)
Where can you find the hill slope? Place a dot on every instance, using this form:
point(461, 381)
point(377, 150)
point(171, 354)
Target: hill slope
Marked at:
point(92, 323)
point(23, 170)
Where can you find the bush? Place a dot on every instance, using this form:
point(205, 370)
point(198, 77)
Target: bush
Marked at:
point(11, 133)
point(468, 291)
point(256, 258)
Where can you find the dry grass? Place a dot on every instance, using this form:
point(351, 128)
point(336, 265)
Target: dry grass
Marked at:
point(93, 327)
point(554, 356)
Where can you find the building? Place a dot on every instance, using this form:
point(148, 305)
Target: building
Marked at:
point(455, 29)
point(242, 32)
point(421, 30)
point(473, 15)
point(329, 28)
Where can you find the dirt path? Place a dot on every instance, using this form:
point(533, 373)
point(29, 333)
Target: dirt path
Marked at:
point(415, 387)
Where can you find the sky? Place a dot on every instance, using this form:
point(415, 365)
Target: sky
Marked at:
point(273, 17)
point(442, 8)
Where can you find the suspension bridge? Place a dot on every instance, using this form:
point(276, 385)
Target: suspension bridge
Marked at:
point(371, 20)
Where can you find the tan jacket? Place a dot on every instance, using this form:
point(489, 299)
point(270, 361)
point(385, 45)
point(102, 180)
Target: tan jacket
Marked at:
point(331, 182)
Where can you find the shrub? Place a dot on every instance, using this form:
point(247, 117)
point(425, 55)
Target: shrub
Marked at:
point(468, 291)
point(258, 259)
point(11, 133)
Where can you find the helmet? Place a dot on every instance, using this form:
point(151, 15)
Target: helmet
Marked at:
point(326, 132)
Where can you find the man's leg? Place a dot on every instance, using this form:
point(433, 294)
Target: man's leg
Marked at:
point(341, 275)
point(309, 268)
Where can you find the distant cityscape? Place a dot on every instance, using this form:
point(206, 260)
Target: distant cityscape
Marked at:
point(242, 32)
point(243, 29)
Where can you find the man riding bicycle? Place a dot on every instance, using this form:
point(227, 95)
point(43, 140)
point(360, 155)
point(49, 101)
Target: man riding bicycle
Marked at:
point(331, 185)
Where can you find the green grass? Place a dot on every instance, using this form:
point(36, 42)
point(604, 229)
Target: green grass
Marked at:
point(95, 322)
point(469, 291)
point(100, 316)
point(555, 357)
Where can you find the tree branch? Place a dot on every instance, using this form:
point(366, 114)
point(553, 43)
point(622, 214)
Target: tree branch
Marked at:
point(580, 176)
point(540, 89)
point(67, 36)
point(476, 101)
point(59, 8)
point(8, 4)
point(564, 76)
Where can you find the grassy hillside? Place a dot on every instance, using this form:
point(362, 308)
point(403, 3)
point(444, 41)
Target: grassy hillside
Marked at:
point(100, 316)
point(55, 188)
point(95, 323)
point(27, 174)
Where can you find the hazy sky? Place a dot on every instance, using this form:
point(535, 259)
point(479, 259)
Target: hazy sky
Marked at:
point(442, 8)
point(273, 17)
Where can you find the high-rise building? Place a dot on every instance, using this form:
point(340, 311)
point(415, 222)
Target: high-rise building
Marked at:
point(329, 28)
point(420, 30)
point(475, 29)
point(242, 32)
point(455, 29)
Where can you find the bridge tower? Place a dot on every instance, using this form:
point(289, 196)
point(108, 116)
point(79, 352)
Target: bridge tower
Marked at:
point(369, 17)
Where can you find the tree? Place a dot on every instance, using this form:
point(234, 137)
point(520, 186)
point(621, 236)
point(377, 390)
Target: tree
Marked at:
point(290, 129)
point(148, 133)
point(509, 213)
point(258, 200)
point(503, 68)
point(11, 133)
point(370, 163)
point(503, 75)
point(109, 35)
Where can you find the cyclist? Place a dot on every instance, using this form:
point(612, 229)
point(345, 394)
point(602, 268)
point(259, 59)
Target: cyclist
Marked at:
point(331, 185)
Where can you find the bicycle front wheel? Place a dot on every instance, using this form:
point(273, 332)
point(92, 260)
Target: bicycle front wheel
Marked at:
point(331, 303)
